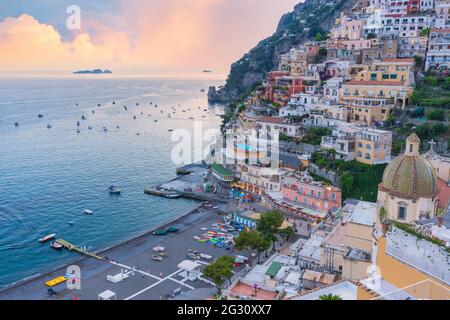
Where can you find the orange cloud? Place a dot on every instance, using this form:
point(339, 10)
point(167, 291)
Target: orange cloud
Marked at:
point(26, 44)
point(147, 35)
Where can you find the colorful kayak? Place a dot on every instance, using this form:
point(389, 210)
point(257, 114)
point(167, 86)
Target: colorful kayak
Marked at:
point(55, 282)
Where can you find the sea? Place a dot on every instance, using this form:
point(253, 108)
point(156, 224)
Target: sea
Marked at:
point(49, 176)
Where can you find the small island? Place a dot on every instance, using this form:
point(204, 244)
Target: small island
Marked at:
point(95, 71)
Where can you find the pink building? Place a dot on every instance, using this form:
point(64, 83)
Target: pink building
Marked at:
point(302, 190)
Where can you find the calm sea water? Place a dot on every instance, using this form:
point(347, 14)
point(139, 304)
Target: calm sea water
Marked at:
point(49, 176)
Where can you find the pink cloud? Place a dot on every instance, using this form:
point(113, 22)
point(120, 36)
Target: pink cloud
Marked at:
point(147, 35)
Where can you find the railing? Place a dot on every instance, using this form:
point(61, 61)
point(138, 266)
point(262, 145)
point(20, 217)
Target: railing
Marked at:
point(423, 290)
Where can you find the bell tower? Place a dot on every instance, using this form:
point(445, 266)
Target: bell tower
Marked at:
point(412, 145)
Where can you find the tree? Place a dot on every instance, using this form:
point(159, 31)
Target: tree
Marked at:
point(437, 115)
point(431, 81)
point(347, 184)
point(220, 271)
point(330, 297)
point(425, 32)
point(269, 225)
point(252, 240)
point(287, 233)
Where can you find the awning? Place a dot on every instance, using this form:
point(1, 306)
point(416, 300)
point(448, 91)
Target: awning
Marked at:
point(273, 269)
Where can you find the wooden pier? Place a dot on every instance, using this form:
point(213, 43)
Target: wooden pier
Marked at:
point(187, 195)
point(67, 245)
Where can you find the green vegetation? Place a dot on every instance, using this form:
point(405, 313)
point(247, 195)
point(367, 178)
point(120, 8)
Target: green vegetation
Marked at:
point(437, 115)
point(252, 240)
point(412, 231)
point(359, 181)
point(383, 214)
point(426, 132)
point(425, 32)
point(314, 135)
point(220, 271)
point(432, 92)
point(330, 297)
point(269, 225)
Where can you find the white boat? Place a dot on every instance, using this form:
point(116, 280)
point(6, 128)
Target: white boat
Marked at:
point(205, 256)
point(159, 249)
point(56, 246)
point(47, 238)
point(157, 258)
point(114, 190)
point(88, 212)
point(172, 196)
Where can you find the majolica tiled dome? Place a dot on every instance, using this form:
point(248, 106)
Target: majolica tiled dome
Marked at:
point(410, 175)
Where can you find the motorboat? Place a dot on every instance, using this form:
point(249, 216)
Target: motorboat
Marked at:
point(47, 238)
point(88, 212)
point(160, 232)
point(159, 249)
point(157, 258)
point(172, 196)
point(56, 246)
point(206, 257)
point(114, 190)
point(16, 124)
point(40, 116)
point(71, 222)
point(49, 126)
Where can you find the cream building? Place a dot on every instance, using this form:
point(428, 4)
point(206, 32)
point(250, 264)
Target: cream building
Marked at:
point(409, 188)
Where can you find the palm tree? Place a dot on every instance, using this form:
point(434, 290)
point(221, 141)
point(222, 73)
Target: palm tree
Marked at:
point(330, 297)
point(383, 214)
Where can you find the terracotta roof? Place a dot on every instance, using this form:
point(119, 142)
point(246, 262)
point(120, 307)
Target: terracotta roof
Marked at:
point(373, 83)
point(440, 30)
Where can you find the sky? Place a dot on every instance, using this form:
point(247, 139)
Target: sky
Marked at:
point(133, 35)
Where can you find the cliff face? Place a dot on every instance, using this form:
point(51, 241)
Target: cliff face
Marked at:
point(304, 23)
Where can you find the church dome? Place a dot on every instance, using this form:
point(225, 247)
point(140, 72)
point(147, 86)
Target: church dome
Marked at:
point(410, 175)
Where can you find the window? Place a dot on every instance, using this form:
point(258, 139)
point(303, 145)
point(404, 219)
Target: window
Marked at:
point(368, 156)
point(401, 213)
point(393, 76)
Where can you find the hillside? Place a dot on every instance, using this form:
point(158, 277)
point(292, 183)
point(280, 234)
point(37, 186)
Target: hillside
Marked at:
point(304, 23)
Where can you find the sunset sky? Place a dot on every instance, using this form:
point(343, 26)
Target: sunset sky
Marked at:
point(134, 35)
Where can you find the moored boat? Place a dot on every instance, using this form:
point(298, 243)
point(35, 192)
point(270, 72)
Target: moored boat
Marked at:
point(56, 246)
point(47, 238)
point(114, 190)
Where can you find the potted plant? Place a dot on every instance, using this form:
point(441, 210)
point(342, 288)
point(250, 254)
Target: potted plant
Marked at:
point(384, 220)
point(440, 217)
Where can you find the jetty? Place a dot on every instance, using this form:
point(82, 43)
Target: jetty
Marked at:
point(71, 247)
point(201, 196)
point(190, 184)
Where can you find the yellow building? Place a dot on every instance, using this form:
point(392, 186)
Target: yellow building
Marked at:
point(373, 146)
point(388, 70)
point(375, 93)
point(348, 249)
point(366, 111)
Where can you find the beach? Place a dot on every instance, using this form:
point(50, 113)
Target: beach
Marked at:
point(162, 278)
